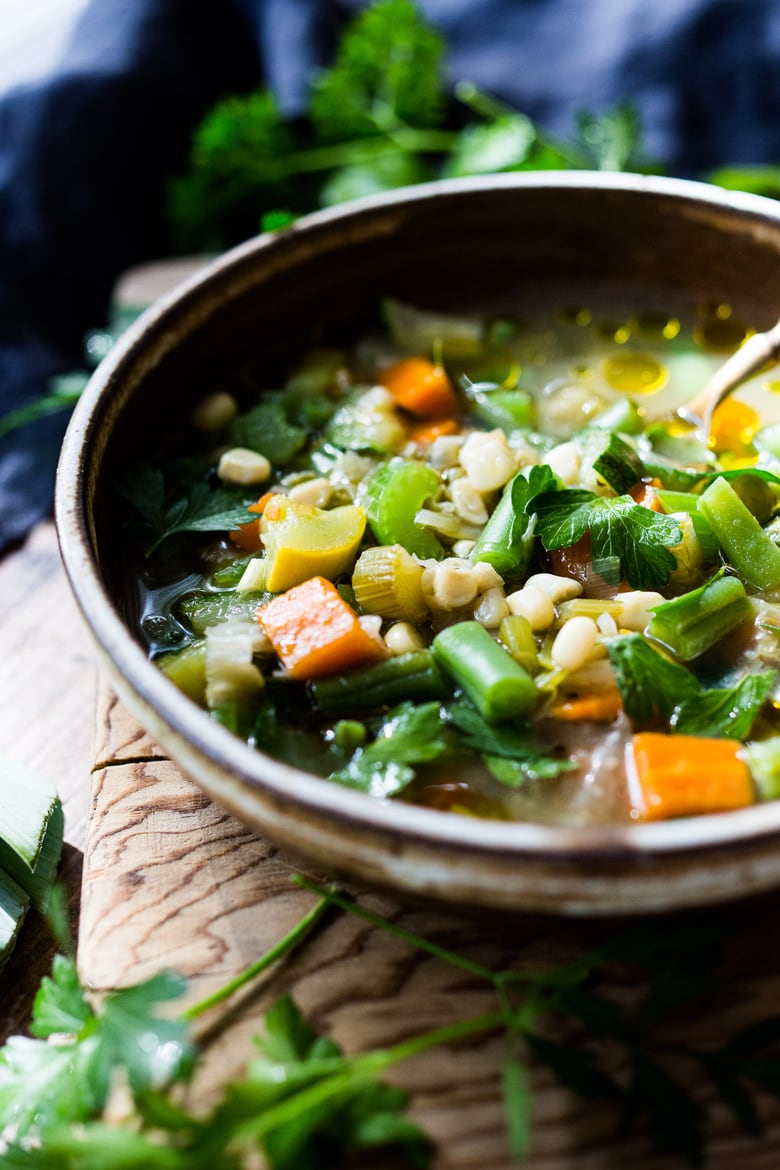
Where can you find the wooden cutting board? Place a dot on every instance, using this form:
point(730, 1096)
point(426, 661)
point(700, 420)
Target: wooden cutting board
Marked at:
point(171, 881)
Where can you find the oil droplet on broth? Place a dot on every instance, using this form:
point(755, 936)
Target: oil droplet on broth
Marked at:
point(773, 386)
point(634, 373)
point(720, 335)
point(656, 326)
point(611, 331)
point(575, 315)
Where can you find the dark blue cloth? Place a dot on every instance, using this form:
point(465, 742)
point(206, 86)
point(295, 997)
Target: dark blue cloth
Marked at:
point(85, 153)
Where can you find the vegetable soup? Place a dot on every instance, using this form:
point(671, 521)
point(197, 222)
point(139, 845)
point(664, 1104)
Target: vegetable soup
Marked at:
point(479, 564)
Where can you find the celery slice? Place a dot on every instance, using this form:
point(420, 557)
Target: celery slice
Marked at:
point(753, 554)
point(31, 831)
point(14, 903)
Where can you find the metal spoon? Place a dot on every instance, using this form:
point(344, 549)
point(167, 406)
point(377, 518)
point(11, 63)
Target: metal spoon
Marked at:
point(756, 352)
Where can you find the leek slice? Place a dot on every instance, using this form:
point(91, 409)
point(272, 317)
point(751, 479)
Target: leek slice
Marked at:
point(31, 831)
point(13, 908)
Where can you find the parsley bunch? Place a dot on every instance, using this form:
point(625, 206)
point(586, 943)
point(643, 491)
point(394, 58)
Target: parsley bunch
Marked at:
point(306, 1105)
point(380, 117)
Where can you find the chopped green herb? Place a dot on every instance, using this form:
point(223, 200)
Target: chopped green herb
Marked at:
point(204, 509)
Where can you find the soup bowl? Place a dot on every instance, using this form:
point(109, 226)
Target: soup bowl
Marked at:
point(493, 241)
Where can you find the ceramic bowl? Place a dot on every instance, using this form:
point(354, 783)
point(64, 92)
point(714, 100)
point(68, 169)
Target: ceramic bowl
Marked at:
point(487, 241)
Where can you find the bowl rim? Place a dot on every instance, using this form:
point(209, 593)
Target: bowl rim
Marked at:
point(129, 667)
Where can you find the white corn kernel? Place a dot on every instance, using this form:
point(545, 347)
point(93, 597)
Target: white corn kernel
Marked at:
point(240, 465)
point(491, 608)
point(574, 643)
point(312, 491)
point(637, 604)
point(215, 411)
point(462, 548)
point(449, 584)
point(487, 460)
point(608, 627)
point(444, 451)
point(564, 460)
point(558, 588)
point(468, 501)
point(534, 605)
point(486, 576)
point(403, 638)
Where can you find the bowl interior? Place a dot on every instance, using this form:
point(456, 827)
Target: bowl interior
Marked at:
point(519, 241)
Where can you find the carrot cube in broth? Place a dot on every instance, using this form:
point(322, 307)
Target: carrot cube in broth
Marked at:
point(315, 632)
point(420, 386)
point(685, 775)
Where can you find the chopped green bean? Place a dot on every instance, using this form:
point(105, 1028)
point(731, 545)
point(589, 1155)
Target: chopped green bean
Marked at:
point(690, 624)
point(753, 554)
point(408, 676)
point(497, 685)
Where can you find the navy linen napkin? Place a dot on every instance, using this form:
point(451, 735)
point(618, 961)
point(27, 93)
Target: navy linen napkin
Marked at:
point(85, 153)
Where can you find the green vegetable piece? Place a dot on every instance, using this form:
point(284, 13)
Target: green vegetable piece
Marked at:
point(756, 494)
point(510, 410)
point(187, 669)
point(650, 684)
point(623, 416)
point(724, 712)
point(394, 495)
point(690, 624)
point(266, 429)
point(516, 635)
point(506, 541)
point(497, 685)
point(31, 831)
point(678, 501)
point(14, 903)
point(752, 553)
point(203, 610)
point(413, 676)
point(763, 760)
point(618, 464)
point(366, 422)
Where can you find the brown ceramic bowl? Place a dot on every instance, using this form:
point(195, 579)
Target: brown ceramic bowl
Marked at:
point(488, 241)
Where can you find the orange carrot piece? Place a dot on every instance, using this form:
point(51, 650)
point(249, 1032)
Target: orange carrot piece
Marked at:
point(645, 493)
point(734, 425)
point(424, 433)
point(685, 775)
point(247, 536)
point(315, 632)
point(420, 386)
point(601, 708)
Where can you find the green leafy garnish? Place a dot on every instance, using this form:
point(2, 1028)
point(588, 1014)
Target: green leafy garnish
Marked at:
point(202, 509)
point(508, 750)
point(265, 429)
point(653, 688)
point(618, 527)
point(411, 734)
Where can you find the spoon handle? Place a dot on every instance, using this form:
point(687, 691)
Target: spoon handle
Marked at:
point(756, 352)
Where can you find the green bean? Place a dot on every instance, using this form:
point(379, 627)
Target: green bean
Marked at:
point(413, 676)
point(753, 554)
point(497, 685)
point(690, 624)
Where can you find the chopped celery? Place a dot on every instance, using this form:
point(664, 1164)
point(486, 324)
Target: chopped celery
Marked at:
point(623, 416)
point(31, 828)
point(510, 410)
point(420, 330)
point(388, 580)
point(617, 463)
point(516, 635)
point(14, 903)
point(763, 760)
point(756, 494)
point(690, 624)
point(187, 669)
point(203, 610)
point(752, 553)
point(496, 684)
point(678, 501)
point(395, 493)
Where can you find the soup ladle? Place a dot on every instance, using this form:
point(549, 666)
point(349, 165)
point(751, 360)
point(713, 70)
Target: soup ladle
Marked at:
point(758, 351)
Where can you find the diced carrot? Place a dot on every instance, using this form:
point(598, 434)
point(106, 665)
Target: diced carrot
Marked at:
point(645, 493)
point(733, 427)
point(247, 536)
point(685, 775)
point(601, 708)
point(315, 632)
point(420, 386)
point(424, 433)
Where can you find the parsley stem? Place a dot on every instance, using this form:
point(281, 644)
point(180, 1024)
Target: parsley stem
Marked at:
point(359, 1070)
point(285, 944)
point(357, 152)
point(416, 940)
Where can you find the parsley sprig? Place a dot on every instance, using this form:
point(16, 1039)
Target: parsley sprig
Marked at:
point(303, 1102)
point(200, 509)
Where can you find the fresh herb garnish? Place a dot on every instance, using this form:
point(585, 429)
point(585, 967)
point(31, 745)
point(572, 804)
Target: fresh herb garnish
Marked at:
point(508, 750)
point(411, 734)
point(652, 687)
point(202, 509)
point(618, 527)
point(266, 429)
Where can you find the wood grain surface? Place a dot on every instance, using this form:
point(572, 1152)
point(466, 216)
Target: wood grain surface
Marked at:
point(172, 881)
